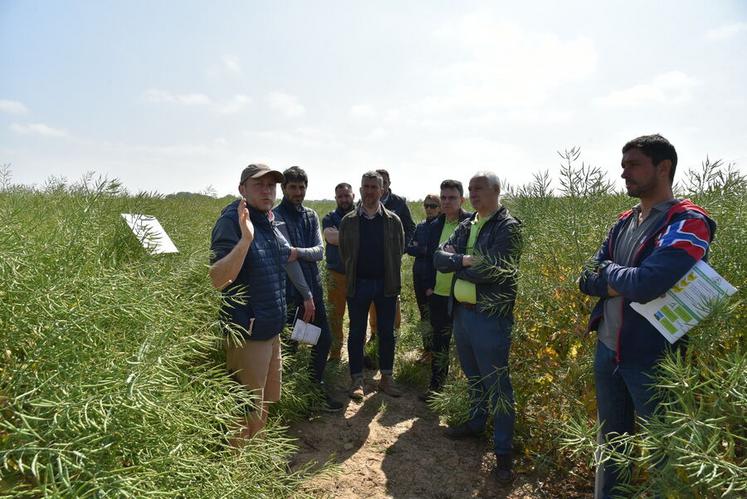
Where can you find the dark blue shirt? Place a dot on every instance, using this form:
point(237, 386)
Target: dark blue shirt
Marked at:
point(332, 251)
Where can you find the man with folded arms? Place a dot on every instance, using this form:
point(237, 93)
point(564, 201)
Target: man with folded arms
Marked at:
point(371, 246)
point(337, 284)
point(646, 252)
point(248, 259)
point(484, 254)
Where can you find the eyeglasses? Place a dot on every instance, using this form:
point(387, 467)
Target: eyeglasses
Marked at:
point(431, 206)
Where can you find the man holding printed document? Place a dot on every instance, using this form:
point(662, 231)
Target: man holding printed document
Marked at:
point(648, 250)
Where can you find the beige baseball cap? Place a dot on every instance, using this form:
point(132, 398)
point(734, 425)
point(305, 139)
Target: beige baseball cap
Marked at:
point(259, 170)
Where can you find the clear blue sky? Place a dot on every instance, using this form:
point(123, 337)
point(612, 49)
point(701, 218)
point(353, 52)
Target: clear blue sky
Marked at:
point(180, 95)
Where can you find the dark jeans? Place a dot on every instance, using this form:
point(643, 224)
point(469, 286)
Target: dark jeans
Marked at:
point(622, 392)
point(422, 300)
point(366, 292)
point(320, 351)
point(440, 340)
point(483, 344)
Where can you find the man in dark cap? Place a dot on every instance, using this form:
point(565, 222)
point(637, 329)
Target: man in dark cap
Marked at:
point(248, 264)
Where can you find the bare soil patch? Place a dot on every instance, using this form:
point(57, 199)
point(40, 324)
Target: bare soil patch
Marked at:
point(388, 447)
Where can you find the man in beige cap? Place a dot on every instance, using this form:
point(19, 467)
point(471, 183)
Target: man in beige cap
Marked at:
point(248, 263)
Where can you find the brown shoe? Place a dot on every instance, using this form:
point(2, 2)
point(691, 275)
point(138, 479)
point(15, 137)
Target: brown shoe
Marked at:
point(425, 358)
point(386, 385)
point(356, 388)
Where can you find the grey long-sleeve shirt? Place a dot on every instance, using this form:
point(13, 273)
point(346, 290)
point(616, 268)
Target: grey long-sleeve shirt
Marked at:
point(295, 274)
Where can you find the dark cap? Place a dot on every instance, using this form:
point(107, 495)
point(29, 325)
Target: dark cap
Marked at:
point(259, 170)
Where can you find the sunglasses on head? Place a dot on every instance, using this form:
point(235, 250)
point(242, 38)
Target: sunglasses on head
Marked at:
point(431, 206)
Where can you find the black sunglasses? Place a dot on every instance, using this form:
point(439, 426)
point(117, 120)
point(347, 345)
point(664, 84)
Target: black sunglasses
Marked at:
point(431, 206)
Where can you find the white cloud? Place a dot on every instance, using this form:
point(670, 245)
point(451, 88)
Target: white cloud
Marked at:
point(377, 134)
point(726, 31)
point(236, 104)
point(12, 107)
point(301, 137)
point(538, 116)
point(162, 96)
point(231, 63)
point(38, 129)
point(503, 65)
point(672, 88)
point(363, 111)
point(286, 104)
point(230, 106)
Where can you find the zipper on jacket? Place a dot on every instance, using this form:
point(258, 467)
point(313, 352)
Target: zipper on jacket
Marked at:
point(637, 255)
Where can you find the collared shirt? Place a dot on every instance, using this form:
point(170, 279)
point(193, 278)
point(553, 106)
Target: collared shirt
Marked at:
point(632, 235)
point(363, 213)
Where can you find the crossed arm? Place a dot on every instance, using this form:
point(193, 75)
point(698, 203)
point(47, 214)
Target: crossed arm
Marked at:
point(656, 274)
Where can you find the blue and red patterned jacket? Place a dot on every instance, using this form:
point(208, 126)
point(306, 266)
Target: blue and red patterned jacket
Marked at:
point(681, 239)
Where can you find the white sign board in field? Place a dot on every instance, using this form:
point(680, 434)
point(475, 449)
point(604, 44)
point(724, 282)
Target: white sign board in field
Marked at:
point(149, 232)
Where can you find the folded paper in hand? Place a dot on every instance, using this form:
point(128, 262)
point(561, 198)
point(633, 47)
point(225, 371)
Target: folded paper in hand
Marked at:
point(305, 332)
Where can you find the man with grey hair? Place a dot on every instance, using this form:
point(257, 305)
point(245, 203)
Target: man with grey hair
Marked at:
point(371, 245)
point(483, 252)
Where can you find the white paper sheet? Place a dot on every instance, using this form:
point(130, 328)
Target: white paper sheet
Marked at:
point(687, 303)
point(305, 332)
point(149, 232)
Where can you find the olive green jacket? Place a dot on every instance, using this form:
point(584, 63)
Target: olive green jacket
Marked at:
point(394, 246)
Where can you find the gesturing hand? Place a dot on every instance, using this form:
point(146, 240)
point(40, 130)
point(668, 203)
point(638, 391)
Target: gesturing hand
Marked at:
point(245, 222)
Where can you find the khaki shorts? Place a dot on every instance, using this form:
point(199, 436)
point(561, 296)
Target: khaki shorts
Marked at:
point(257, 364)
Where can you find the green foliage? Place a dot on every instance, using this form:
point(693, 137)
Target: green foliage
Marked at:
point(113, 380)
point(701, 434)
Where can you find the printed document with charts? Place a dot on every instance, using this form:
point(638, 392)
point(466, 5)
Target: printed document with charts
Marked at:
point(687, 303)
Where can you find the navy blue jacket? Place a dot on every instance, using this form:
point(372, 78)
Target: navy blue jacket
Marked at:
point(398, 206)
point(303, 230)
point(434, 235)
point(682, 238)
point(255, 302)
point(332, 251)
point(418, 247)
point(499, 243)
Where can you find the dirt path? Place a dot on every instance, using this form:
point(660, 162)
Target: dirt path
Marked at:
point(395, 448)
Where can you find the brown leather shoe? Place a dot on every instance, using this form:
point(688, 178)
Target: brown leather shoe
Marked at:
point(425, 358)
point(356, 389)
point(386, 385)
